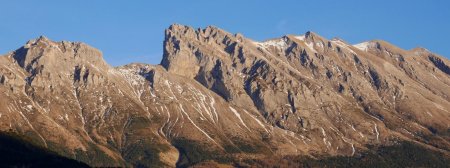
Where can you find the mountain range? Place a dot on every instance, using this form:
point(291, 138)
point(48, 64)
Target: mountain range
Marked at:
point(221, 99)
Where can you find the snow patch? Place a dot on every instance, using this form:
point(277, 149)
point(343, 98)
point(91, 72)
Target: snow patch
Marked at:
point(320, 44)
point(238, 116)
point(353, 149)
point(259, 122)
point(195, 125)
point(310, 45)
point(376, 131)
point(212, 103)
point(301, 38)
point(279, 43)
point(343, 45)
point(364, 46)
point(29, 107)
point(323, 132)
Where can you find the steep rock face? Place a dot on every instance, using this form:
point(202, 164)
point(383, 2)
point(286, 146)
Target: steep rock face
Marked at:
point(223, 97)
point(55, 98)
point(131, 115)
point(308, 84)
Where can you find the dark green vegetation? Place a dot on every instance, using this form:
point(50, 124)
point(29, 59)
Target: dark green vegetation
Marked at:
point(404, 154)
point(15, 151)
point(145, 154)
point(238, 145)
point(141, 149)
point(194, 152)
point(94, 156)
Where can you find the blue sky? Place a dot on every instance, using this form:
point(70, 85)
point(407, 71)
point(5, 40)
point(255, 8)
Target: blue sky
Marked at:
point(133, 31)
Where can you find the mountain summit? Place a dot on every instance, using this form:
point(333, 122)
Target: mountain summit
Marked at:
point(219, 97)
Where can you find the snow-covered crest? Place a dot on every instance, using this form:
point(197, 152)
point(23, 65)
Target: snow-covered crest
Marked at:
point(364, 46)
point(301, 37)
point(278, 43)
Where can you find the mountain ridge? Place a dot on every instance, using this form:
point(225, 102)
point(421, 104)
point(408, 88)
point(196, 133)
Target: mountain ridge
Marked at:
point(220, 96)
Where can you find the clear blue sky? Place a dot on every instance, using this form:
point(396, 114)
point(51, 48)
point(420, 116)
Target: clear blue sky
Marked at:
point(132, 31)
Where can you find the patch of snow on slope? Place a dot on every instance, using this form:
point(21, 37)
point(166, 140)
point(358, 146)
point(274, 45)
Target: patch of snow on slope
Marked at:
point(195, 125)
point(376, 131)
point(279, 43)
point(340, 43)
point(320, 44)
point(301, 38)
point(311, 46)
point(259, 122)
point(29, 107)
point(362, 46)
point(132, 76)
point(238, 116)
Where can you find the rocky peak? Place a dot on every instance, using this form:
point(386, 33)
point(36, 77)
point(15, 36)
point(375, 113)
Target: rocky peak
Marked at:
point(310, 35)
point(186, 32)
point(40, 39)
point(211, 30)
point(381, 45)
point(44, 58)
point(185, 48)
point(420, 51)
point(314, 37)
point(43, 48)
point(177, 30)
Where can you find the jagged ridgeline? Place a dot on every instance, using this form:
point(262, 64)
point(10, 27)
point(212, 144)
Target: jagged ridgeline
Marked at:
point(221, 99)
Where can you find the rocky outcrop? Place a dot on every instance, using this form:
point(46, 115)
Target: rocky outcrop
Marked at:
point(223, 97)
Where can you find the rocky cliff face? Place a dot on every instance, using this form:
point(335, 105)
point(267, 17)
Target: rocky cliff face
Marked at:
point(223, 97)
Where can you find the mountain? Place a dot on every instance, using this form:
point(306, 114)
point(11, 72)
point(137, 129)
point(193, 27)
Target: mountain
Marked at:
point(221, 99)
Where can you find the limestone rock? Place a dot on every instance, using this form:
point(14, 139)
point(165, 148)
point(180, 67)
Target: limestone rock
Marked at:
point(218, 95)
